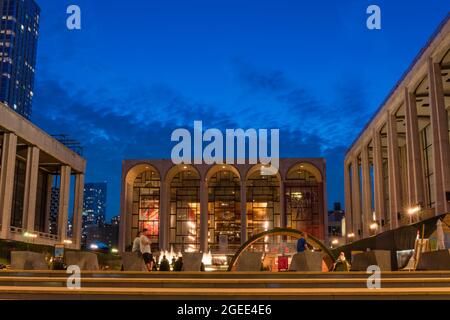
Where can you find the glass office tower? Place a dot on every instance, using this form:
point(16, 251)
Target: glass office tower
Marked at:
point(19, 25)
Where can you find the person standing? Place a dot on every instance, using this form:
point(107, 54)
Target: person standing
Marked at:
point(301, 245)
point(137, 244)
point(146, 250)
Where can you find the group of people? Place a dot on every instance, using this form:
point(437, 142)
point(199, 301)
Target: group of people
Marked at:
point(341, 263)
point(142, 246)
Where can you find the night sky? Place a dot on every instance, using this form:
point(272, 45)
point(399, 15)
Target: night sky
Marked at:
point(139, 69)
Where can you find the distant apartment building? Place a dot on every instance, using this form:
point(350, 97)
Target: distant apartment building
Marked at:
point(94, 206)
point(19, 31)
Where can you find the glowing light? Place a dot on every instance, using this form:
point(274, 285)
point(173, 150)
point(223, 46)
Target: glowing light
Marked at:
point(93, 246)
point(113, 250)
point(335, 242)
point(207, 258)
point(30, 235)
point(351, 235)
point(67, 241)
point(413, 210)
point(374, 226)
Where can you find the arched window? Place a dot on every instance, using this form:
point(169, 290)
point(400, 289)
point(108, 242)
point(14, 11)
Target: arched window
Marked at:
point(185, 211)
point(224, 211)
point(303, 199)
point(263, 204)
point(146, 190)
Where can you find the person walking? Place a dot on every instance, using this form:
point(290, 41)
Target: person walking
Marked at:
point(146, 250)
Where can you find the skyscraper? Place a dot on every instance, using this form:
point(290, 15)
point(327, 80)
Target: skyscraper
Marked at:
point(94, 207)
point(19, 25)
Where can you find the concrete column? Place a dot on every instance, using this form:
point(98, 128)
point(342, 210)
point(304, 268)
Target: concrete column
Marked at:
point(31, 180)
point(243, 212)
point(380, 210)
point(441, 148)
point(356, 200)
point(395, 203)
point(414, 159)
point(203, 216)
point(9, 151)
point(164, 216)
point(367, 192)
point(348, 199)
point(78, 210)
point(283, 220)
point(63, 210)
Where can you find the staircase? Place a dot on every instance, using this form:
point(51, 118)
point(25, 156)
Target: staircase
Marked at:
point(223, 285)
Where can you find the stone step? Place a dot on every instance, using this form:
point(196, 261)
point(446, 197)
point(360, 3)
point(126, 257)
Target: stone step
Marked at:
point(46, 293)
point(228, 275)
point(223, 283)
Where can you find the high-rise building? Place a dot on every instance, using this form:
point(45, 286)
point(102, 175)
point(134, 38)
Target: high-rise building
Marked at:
point(94, 206)
point(19, 31)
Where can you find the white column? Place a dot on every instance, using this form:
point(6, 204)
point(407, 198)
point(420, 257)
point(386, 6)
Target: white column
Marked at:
point(203, 216)
point(283, 218)
point(414, 159)
point(9, 150)
point(243, 212)
point(348, 200)
point(367, 192)
point(31, 180)
point(63, 210)
point(356, 199)
point(441, 148)
point(380, 209)
point(164, 216)
point(78, 210)
point(394, 172)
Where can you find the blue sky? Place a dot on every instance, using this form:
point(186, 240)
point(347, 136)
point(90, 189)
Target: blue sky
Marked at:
point(139, 69)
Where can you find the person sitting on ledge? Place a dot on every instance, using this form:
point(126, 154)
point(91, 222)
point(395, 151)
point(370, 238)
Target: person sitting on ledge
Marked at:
point(341, 263)
point(164, 265)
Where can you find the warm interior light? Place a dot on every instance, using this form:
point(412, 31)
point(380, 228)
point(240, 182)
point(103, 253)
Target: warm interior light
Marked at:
point(414, 210)
point(30, 235)
point(113, 250)
point(374, 226)
point(68, 241)
point(351, 235)
point(335, 242)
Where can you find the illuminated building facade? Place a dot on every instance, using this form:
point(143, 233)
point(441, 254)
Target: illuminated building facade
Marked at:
point(41, 181)
point(218, 207)
point(398, 170)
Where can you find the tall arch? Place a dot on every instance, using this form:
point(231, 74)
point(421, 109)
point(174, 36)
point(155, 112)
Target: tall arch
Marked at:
point(184, 208)
point(142, 203)
point(224, 208)
point(304, 199)
point(263, 207)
